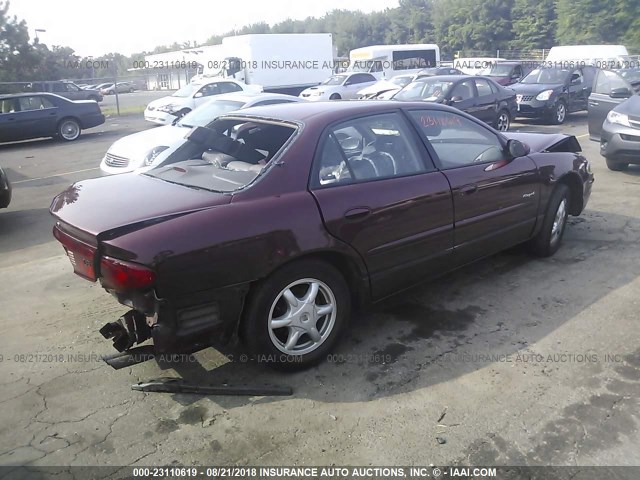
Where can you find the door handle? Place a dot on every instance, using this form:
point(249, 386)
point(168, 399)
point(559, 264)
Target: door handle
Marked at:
point(357, 213)
point(593, 104)
point(468, 189)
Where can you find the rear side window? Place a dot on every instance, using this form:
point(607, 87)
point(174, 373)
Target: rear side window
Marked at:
point(483, 87)
point(34, 103)
point(366, 149)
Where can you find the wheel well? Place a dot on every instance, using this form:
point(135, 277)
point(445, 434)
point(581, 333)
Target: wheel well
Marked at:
point(348, 268)
point(69, 117)
point(575, 187)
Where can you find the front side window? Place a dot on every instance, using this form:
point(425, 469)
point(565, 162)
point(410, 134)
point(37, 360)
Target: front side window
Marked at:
point(607, 81)
point(228, 87)
point(458, 141)
point(210, 89)
point(365, 149)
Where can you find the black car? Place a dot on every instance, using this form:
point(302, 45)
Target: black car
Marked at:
point(5, 190)
point(552, 92)
point(614, 119)
point(34, 115)
point(478, 96)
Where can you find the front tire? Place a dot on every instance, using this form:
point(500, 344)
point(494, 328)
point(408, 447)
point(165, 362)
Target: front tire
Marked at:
point(559, 113)
point(503, 121)
point(295, 316)
point(616, 165)
point(335, 96)
point(68, 129)
point(549, 238)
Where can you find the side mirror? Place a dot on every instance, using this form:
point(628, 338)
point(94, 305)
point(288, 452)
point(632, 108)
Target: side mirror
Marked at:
point(517, 149)
point(620, 93)
point(456, 99)
point(198, 95)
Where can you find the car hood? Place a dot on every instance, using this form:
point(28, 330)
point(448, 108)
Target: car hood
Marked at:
point(104, 207)
point(321, 88)
point(137, 145)
point(534, 88)
point(379, 87)
point(630, 106)
point(546, 142)
point(168, 101)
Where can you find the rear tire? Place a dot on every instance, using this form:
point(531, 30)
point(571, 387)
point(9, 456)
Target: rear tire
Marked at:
point(69, 129)
point(616, 165)
point(548, 239)
point(286, 324)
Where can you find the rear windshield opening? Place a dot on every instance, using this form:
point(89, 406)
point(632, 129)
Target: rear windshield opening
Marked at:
point(227, 155)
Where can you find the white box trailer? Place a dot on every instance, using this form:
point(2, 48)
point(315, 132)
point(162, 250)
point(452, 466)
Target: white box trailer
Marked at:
point(285, 63)
point(386, 61)
point(597, 55)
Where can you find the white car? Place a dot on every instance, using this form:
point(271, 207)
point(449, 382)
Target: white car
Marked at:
point(140, 150)
point(394, 84)
point(340, 86)
point(164, 111)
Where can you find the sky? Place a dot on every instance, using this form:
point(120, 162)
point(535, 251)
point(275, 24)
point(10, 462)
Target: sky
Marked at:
point(129, 26)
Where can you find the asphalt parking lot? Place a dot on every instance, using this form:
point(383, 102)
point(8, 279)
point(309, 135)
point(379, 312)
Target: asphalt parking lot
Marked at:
point(511, 361)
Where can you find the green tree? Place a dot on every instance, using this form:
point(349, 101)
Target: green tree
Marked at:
point(534, 24)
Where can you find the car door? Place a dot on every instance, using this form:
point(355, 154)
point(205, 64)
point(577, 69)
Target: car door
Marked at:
point(379, 192)
point(495, 198)
point(73, 92)
point(485, 101)
point(204, 94)
point(8, 116)
point(37, 117)
point(609, 89)
point(355, 83)
point(463, 97)
point(578, 91)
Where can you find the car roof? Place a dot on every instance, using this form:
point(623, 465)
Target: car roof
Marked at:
point(329, 111)
point(29, 94)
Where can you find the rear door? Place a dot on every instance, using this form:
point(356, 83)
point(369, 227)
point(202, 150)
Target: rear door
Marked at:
point(463, 97)
point(495, 198)
point(601, 102)
point(379, 192)
point(485, 102)
point(8, 115)
point(578, 91)
point(37, 116)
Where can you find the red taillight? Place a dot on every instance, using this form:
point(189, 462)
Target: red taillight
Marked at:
point(80, 254)
point(120, 275)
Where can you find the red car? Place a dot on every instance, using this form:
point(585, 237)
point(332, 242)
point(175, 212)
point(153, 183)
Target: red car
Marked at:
point(273, 223)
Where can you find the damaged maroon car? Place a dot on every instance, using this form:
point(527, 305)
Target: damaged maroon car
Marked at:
point(272, 224)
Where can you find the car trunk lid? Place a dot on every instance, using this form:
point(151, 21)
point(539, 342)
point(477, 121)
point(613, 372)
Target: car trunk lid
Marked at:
point(134, 201)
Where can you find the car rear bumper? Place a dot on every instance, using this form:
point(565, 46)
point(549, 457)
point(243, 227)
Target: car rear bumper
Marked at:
point(620, 143)
point(92, 120)
point(181, 324)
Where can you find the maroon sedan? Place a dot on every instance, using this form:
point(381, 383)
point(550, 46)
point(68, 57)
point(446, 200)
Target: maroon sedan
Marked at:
point(273, 223)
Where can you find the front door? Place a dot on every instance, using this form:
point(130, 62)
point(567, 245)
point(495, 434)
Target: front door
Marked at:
point(600, 101)
point(495, 198)
point(379, 192)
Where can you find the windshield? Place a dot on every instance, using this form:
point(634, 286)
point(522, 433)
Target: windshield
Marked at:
point(631, 75)
point(497, 71)
point(335, 80)
point(430, 89)
point(547, 75)
point(226, 156)
point(208, 112)
point(401, 80)
point(186, 91)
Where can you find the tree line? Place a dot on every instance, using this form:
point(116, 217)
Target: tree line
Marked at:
point(455, 25)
